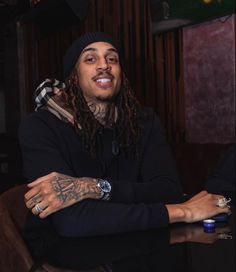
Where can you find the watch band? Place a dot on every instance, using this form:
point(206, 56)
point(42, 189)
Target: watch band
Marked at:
point(106, 196)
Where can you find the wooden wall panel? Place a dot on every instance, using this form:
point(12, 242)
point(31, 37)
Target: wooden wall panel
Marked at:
point(209, 58)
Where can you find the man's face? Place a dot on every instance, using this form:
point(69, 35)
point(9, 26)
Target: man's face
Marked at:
point(99, 72)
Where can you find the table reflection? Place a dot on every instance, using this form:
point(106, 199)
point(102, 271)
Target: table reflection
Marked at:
point(182, 247)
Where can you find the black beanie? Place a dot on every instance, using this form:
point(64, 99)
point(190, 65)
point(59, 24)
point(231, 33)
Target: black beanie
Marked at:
point(74, 51)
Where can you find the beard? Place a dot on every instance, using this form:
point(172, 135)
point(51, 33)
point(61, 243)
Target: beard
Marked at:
point(107, 99)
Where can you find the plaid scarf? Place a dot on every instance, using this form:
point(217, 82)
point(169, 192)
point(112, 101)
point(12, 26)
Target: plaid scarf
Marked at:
point(48, 96)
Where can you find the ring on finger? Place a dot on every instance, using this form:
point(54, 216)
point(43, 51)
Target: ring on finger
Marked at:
point(36, 199)
point(222, 202)
point(38, 209)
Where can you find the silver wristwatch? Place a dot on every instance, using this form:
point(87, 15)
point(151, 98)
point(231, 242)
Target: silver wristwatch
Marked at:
point(105, 188)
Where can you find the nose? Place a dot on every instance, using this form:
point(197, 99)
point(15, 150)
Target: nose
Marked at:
point(103, 65)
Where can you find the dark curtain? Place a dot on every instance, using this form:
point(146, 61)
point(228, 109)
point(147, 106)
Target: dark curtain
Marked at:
point(153, 63)
point(169, 86)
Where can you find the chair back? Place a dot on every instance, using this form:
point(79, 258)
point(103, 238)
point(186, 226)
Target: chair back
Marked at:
point(14, 255)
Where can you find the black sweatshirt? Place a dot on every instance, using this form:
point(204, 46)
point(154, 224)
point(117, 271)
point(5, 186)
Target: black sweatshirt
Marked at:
point(140, 187)
point(222, 179)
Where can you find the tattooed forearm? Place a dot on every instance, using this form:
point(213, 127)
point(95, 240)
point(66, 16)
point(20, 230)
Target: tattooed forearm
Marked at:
point(56, 191)
point(68, 188)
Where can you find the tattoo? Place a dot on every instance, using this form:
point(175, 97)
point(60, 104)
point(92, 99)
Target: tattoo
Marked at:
point(107, 115)
point(98, 112)
point(36, 199)
point(68, 188)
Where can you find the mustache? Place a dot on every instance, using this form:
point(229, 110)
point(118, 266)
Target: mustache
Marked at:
point(104, 73)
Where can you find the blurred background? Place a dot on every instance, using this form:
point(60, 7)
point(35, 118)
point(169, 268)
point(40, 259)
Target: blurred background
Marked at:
point(179, 56)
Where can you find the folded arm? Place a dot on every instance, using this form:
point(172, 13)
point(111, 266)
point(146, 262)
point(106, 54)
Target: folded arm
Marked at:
point(43, 163)
point(82, 216)
point(57, 191)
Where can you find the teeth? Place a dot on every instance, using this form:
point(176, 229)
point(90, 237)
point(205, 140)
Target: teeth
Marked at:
point(103, 80)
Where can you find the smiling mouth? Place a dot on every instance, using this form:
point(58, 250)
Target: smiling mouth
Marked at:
point(103, 80)
point(104, 76)
point(104, 83)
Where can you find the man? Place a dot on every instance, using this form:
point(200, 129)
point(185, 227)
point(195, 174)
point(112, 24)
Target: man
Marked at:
point(222, 179)
point(101, 164)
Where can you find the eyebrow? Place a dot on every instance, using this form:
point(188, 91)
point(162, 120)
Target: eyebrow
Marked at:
point(95, 49)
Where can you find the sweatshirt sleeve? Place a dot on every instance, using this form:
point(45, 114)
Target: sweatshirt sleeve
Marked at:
point(223, 177)
point(40, 151)
point(158, 178)
point(93, 218)
point(41, 155)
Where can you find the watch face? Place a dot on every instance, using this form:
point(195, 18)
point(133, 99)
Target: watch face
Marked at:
point(105, 185)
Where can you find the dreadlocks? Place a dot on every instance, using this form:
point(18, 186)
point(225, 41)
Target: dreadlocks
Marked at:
point(125, 106)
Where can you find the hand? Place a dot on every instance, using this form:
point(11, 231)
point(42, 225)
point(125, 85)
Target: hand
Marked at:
point(34, 2)
point(195, 233)
point(203, 205)
point(57, 191)
point(50, 268)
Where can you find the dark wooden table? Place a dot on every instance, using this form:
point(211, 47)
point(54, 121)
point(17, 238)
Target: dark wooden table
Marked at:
point(180, 248)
